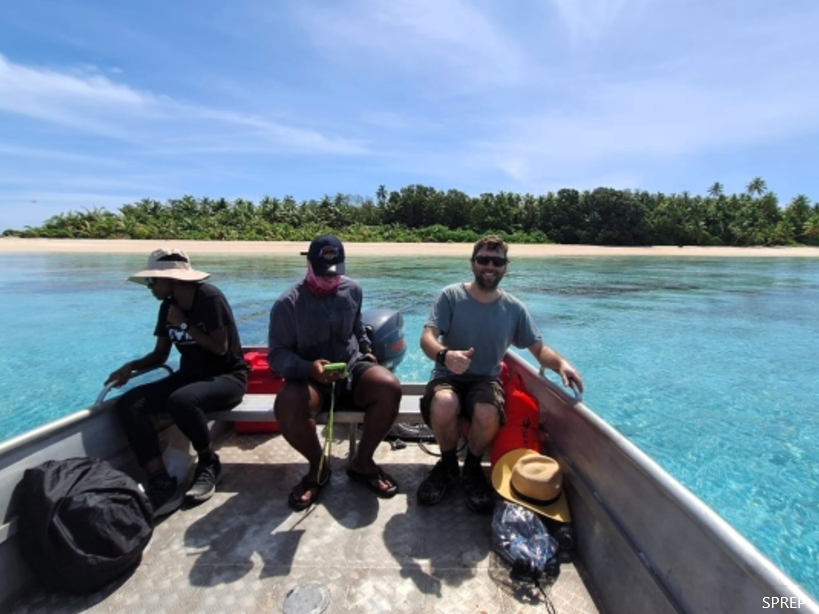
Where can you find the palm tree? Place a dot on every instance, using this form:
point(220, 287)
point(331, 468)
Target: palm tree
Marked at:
point(811, 226)
point(269, 209)
point(797, 213)
point(381, 195)
point(801, 201)
point(756, 186)
point(716, 190)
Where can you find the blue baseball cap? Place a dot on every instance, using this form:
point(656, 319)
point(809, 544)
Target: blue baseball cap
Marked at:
point(326, 255)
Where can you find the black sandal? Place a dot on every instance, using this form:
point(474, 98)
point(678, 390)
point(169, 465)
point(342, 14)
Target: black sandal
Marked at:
point(299, 504)
point(378, 474)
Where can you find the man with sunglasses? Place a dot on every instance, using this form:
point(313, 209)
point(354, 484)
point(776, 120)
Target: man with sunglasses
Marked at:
point(467, 333)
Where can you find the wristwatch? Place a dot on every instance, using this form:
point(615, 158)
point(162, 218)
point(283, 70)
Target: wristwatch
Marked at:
point(183, 327)
point(440, 357)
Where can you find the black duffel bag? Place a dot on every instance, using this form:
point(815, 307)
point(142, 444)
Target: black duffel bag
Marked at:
point(82, 523)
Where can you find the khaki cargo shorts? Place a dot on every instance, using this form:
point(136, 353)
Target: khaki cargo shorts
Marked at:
point(468, 392)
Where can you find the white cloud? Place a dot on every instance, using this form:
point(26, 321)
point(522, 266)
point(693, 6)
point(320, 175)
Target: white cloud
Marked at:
point(87, 101)
point(591, 19)
point(675, 104)
point(427, 38)
point(641, 83)
point(84, 100)
point(43, 154)
point(661, 118)
point(299, 138)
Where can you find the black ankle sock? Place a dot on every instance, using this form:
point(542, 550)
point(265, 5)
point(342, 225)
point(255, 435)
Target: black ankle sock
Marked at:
point(472, 460)
point(207, 456)
point(450, 459)
point(161, 474)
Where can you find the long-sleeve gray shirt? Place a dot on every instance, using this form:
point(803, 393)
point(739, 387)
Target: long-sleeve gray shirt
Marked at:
point(304, 328)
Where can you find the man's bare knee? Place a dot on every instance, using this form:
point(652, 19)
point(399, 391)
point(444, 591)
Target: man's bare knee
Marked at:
point(295, 401)
point(444, 403)
point(485, 414)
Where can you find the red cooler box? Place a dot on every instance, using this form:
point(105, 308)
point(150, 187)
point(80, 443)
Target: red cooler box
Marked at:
point(260, 380)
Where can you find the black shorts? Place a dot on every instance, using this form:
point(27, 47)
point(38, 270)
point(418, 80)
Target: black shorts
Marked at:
point(344, 389)
point(469, 392)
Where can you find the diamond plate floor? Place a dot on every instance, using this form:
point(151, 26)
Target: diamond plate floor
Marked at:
point(244, 550)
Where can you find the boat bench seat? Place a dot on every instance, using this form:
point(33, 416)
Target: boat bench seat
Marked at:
point(259, 408)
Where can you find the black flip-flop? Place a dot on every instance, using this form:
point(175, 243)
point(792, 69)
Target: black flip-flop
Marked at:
point(378, 474)
point(299, 504)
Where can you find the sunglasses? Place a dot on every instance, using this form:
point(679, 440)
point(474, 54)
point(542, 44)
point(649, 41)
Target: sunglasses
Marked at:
point(498, 261)
point(150, 281)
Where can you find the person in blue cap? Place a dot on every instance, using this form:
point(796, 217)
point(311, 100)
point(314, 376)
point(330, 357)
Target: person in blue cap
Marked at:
point(315, 322)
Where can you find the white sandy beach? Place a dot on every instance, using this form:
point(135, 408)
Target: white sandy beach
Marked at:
point(278, 248)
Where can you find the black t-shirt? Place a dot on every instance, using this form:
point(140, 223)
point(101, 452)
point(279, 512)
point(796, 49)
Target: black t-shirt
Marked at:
point(210, 311)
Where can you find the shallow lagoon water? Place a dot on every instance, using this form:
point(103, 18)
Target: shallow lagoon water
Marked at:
point(708, 365)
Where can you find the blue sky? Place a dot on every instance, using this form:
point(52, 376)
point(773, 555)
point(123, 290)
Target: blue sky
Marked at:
point(104, 103)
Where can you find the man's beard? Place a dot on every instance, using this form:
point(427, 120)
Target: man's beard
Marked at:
point(488, 286)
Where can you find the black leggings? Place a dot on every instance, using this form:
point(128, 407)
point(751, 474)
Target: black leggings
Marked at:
point(187, 398)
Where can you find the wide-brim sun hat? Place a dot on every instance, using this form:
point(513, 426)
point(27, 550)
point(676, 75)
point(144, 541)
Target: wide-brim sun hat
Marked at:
point(533, 481)
point(169, 263)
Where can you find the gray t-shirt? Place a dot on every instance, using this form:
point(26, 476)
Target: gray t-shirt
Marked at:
point(304, 328)
point(489, 328)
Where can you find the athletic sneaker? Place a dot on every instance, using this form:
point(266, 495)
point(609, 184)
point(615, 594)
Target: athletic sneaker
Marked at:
point(436, 484)
point(205, 478)
point(477, 492)
point(165, 496)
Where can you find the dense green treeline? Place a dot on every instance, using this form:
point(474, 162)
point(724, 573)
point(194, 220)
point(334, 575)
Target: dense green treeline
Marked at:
point(415, 213)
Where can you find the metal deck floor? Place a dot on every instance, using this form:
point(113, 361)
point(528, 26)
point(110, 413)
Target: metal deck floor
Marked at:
point(245, 549)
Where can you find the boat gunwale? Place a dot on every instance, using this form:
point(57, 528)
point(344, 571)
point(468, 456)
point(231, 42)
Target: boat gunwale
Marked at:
point(740, 550)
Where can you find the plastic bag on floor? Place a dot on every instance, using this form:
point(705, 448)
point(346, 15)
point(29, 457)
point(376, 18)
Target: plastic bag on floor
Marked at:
point(521, 539)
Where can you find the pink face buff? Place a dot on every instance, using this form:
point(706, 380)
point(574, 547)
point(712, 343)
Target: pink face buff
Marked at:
point(321, 285)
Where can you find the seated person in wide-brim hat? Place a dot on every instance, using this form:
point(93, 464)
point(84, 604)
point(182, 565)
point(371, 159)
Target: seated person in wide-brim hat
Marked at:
point(195, 317)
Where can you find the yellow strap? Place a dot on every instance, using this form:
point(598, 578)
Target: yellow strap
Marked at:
point(328, 439)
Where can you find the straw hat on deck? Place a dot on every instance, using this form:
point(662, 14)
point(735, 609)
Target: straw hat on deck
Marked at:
point(533, 481)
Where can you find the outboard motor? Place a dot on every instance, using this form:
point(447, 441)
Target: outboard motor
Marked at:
point(385, 328)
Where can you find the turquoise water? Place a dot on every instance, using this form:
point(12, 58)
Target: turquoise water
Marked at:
point(708, 365)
